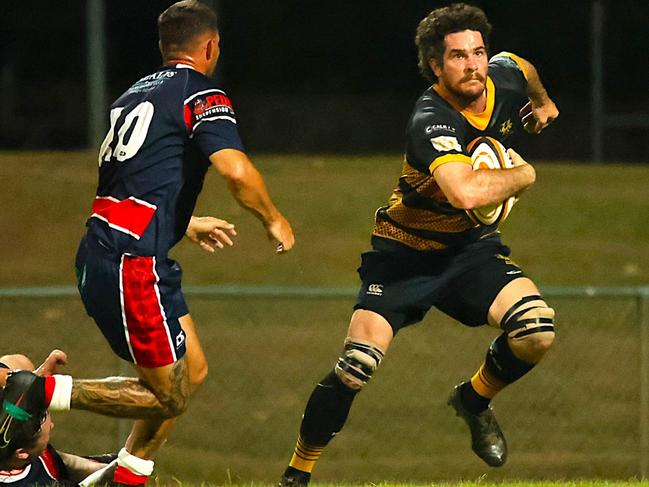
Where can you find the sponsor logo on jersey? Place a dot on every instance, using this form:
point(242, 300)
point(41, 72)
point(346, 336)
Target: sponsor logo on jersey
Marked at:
point(207, 106)
point(446, 143)
point(439, 127)
point(375, 289)
point(180, 338)
point(199, 107)
point(158, 75)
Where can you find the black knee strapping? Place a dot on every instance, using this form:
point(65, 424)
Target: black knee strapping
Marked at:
point(357, 363)
point(326, 411)
point(503, 364)
point(538, 318)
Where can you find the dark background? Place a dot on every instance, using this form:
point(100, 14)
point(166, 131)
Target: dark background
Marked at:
point(314, 76)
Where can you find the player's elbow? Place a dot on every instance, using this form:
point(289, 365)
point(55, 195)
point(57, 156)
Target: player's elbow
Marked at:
point(231, 165)
point(463, 199)
point(235, 174)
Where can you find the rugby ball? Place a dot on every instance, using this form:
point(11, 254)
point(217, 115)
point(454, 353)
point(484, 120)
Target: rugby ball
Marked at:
point(489, 154)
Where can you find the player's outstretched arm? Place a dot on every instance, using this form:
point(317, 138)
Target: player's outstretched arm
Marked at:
point(541, 110)
point(248, 188)
point(210, 233)
point(79, 468)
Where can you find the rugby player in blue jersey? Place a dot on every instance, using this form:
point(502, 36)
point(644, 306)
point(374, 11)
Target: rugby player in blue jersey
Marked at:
point(166, 130)
point(426, 250)
point(26, 457)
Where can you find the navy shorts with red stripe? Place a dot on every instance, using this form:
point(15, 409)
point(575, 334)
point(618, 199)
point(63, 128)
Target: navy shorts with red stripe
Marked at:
point(135, 300)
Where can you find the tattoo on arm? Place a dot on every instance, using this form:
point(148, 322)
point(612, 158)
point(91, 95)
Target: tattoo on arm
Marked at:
point(130, 397)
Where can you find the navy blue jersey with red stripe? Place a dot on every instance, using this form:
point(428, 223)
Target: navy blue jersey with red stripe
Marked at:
point(153, 160)
point(46, 469)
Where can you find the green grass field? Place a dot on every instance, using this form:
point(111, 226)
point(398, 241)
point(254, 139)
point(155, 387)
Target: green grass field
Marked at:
point(577, 417)
point(580, 224)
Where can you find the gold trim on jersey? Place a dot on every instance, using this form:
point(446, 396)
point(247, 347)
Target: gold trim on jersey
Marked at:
point(385, 229)
point(402, 223)
point(514, 58)
point(478, 120)
point(446, 158)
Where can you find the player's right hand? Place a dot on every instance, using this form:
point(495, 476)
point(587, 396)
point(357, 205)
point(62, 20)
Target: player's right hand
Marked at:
point(280, 232)
point(537, 117)
point(210, 233)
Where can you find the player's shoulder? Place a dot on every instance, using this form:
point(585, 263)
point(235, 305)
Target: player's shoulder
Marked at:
point(506, 63)
point(199, 83)
point(432, 114)
point(432, 110)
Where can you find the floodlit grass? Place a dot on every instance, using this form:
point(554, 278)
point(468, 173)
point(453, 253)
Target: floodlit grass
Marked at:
point(580, 224)
point(477, 483)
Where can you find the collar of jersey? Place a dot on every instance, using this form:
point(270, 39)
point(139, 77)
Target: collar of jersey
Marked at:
point(478, 120)
point(182, 65)
point(9, 476)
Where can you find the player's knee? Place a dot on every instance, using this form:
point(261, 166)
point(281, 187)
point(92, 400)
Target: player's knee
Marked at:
point(198, 375)
point(532, 348)
point(529, 325)
point(357, 363)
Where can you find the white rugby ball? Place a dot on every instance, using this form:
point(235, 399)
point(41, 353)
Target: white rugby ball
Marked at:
point(487, 153)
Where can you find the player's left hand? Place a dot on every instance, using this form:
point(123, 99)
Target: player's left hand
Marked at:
point(536, 117)
point(210, 233)
point(55, 359)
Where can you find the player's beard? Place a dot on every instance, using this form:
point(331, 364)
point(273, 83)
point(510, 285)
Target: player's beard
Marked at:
point(467, 97)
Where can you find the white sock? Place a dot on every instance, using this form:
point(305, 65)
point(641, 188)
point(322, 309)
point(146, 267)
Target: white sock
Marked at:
point(137, 465)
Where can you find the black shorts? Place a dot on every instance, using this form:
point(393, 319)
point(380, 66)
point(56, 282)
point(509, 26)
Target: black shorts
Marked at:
point(402, 286)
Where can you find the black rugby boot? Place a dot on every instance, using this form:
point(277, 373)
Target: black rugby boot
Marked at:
point(294, 478)
point(487, 440)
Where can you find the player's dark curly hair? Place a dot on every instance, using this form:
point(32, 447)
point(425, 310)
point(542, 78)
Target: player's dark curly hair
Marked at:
point(440, 22)
point(179, 25)
point(16, 434)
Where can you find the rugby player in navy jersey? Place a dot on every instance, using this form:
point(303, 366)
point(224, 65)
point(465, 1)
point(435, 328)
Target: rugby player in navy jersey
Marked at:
point(427, 252)
point(165, 132)
point(26, 456)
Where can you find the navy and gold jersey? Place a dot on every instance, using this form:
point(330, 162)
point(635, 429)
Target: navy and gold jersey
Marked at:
point(153, 160)
point(46, 469)
point(418, 214)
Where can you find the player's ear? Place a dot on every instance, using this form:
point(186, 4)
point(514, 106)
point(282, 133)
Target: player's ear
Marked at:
point(212, 47)
point(435, 66)
point(21, 454)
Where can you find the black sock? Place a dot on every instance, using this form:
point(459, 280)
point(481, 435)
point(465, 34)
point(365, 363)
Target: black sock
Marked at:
point(326, 411)
point(471, 400)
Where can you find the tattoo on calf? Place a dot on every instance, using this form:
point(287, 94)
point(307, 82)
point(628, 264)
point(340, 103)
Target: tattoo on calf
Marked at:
point(130, 397)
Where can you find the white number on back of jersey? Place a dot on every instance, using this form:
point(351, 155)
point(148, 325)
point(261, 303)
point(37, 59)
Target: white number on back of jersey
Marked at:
point(137, 123)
